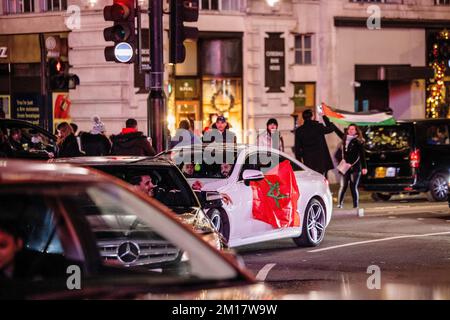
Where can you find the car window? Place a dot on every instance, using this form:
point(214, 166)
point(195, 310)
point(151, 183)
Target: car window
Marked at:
point(265, 161)
point(207, 163)
point(33, 221)
point(387, 138)
point(438, 135)
point(171, 188)
point(31, 140)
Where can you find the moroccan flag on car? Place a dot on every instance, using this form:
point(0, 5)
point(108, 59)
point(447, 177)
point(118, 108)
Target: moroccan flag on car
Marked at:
point(275, 197)
point(359, 118)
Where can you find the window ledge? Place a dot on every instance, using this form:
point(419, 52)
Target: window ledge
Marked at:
point(222, 12)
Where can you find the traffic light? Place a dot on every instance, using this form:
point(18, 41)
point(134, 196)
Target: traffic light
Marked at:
point(59, 78)
point(181, 11)
point(122, 33)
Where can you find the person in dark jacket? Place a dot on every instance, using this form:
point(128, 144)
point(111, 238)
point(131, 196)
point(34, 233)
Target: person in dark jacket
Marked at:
point(352, 150)
point(95, 143)
point(184, 135)
point(67, 142)
point(16, 141)
point(310, 144)
point(131, 142)
point(220, 132)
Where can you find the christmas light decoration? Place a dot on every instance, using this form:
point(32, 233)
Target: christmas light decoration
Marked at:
point(436, 90)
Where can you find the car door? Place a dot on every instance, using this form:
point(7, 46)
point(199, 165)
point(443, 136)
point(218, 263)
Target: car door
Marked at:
point(248, 226)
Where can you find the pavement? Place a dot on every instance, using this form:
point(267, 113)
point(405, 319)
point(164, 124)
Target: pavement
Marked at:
point(405, 242)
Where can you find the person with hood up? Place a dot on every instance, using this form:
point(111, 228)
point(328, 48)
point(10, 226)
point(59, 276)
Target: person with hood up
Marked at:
point(131, 142)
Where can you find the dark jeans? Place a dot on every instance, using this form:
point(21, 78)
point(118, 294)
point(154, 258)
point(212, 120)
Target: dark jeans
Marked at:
point(352, 177)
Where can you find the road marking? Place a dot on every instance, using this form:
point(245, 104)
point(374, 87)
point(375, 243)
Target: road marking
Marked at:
point(262, 274)
point(380, 240)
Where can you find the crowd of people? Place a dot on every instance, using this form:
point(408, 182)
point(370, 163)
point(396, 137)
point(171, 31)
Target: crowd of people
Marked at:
point(310, 144)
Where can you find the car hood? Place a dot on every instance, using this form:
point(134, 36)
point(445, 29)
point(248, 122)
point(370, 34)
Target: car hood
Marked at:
point(195, 218)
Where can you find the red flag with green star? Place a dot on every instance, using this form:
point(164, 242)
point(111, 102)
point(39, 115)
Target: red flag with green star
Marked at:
point(275, 197)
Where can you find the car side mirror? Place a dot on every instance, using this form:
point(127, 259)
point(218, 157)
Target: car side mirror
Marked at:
point(252, 175)
point(209, 199)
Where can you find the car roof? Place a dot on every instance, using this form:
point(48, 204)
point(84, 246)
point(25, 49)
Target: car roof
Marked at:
point(20, 171)
point(115, 161)
point(27, 123)
point(224, 146)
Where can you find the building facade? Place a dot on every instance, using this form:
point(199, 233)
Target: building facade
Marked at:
point(254, 59)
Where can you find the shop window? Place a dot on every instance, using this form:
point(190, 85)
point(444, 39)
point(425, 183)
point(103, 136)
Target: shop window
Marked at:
point(303, 49)
point(304, 96)
point(222, 96)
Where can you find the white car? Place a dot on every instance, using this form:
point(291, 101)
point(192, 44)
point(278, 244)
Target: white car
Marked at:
point(273, 196)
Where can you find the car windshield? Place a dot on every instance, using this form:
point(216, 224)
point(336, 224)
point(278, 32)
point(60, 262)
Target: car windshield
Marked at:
point(205, 163)
point(128, 233)
point(387, 138)
point(27, 139)
point(170, 187)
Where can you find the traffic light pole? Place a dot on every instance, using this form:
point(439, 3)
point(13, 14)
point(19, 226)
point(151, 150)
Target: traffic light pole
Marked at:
point(156, 102)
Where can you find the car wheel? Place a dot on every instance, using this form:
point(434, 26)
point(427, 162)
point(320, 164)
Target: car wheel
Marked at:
point(378, 196)
point(313, 229)
point(219, 219)
point(438, 188)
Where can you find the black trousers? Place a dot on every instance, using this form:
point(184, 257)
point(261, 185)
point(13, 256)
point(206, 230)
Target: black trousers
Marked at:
point(352, 177)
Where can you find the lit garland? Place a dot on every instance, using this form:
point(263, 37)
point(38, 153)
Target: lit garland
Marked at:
point(436, 90)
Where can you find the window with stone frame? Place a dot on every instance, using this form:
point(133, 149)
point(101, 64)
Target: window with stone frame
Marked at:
point(221, 5)
point(303, 49)
point(30, 6)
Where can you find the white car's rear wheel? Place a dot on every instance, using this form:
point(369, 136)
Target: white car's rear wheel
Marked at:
point(313, 229)
point(219, 219)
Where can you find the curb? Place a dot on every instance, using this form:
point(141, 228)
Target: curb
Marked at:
point(356, 213)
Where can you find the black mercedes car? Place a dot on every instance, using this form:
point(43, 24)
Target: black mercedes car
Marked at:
point(410, 157)
point(171, 188)
point(35, 142)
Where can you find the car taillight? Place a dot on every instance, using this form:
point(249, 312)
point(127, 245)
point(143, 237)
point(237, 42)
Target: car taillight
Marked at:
point(414, 158)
